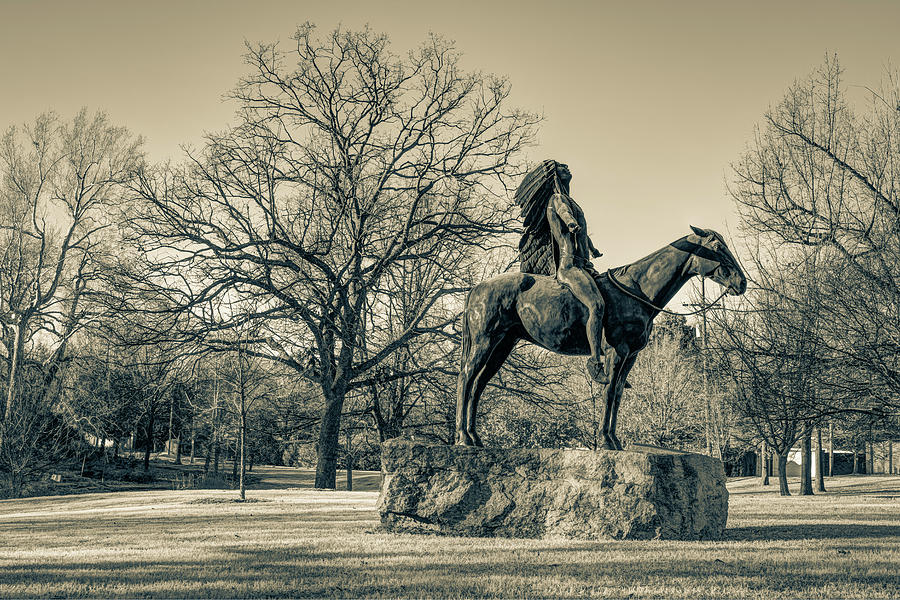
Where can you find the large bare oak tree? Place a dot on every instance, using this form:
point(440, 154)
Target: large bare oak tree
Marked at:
point(347, 164)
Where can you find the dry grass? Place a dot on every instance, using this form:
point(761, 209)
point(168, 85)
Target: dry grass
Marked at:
point(843, 544)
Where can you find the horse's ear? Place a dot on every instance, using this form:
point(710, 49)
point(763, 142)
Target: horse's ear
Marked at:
point(700, 232)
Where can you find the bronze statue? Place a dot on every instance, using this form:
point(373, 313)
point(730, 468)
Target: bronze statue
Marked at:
point(544, 310)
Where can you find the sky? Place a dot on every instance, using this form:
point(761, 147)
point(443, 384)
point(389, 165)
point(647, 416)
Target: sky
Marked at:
point(648, 102)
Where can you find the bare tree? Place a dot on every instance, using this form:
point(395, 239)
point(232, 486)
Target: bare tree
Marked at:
point(347, 162)
point(57, 182)
point(410, 387)
point(817, 192)
point(155, 369)
point(823, 173)
point(99, 398)
point(250, 383)
point(769, 346)
point(663, 405)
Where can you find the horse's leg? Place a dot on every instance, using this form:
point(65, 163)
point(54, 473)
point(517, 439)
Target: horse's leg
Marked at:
point(500, 349)
point(478, 360)
point(611, 393)
point(621, 373)
point(467, 371)
point(463, 392)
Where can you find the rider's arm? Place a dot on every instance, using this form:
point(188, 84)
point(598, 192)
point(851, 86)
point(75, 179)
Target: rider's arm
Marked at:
point(561, 207)
point(594, 252)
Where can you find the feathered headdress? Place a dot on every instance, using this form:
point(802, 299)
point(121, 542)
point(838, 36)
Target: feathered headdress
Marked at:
point(532, 195)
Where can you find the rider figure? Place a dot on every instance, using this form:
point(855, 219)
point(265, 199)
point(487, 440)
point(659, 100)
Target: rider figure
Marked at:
point(574, 269)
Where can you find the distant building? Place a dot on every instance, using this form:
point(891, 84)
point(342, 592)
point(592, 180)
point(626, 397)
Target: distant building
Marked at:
point(881, 461)
point(843, 462)
point(97, 442)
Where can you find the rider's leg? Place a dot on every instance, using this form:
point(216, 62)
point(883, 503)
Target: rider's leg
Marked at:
point(597, 364)
point(585, 289)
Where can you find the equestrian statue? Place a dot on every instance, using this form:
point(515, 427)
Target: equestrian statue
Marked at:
point(559, 302)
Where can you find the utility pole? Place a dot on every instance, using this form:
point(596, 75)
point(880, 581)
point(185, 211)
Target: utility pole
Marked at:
point(703, 342)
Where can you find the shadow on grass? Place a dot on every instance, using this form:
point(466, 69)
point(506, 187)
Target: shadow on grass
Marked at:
point(864, 489)
point(296, 572)
point(810, 531)
point(879, 485)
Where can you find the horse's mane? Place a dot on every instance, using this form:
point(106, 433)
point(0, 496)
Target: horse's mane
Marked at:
point(623, 270)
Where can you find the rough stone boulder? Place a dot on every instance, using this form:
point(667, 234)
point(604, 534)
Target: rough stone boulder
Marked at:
point(636, 494)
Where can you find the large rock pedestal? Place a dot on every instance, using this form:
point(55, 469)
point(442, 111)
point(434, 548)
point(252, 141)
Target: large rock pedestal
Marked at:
point(641, 494)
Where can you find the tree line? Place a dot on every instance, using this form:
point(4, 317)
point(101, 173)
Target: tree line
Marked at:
point(289, 291)
point(815, 341)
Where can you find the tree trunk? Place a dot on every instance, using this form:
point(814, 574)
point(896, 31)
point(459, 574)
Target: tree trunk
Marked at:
point(349, 459)
point(763, 465)
point(242, 425)
point(171, 424)
point(759, 453)
point(782, 472)
point(870, 455)
point(104, 461)
point(234, 461)
point(830, 449)
point(855, 458)
point(327, 452)
point(890, 459)
point(13, 371)
point(215, 440)
point(806, 463)
point(18, 338)
point(706, 417)
point(820, 454)
point(193, 439)
point(216, 455)
point(148, 446)
point(242, 484)
point(215, 428)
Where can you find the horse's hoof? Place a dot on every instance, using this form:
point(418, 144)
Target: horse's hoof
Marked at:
point(463, 439)
point(596, 371)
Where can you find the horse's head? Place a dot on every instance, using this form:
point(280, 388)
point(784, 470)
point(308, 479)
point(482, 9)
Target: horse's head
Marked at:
point(712, 258)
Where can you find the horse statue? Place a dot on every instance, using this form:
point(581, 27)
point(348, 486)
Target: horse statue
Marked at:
point(540, 309)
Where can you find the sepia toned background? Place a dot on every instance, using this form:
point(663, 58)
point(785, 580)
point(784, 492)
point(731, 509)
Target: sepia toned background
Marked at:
point(648, 102)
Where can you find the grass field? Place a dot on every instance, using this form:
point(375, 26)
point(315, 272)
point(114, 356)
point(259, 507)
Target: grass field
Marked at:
point(293, 541)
